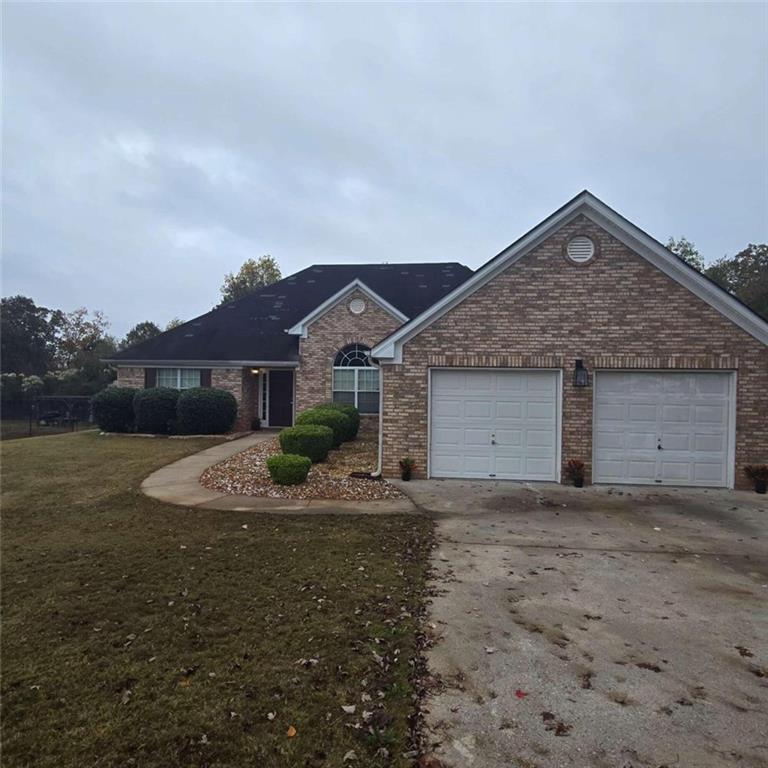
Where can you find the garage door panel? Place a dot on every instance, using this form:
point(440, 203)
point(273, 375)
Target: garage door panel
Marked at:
point(711, 414)
point(499, 424)
point(539, 468)
point(447, 436)
point(509, 437)
point(540, 411)
point(686, 413)
point(714, 443)
point(445, 408)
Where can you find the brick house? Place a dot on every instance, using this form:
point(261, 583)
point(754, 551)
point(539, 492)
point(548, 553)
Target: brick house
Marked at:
point(584, 339)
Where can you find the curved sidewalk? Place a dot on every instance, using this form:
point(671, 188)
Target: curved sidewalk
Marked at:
point(179, 483)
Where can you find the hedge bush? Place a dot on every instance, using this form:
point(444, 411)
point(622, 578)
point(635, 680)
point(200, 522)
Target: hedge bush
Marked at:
point(113, 409)
point(310, 440)
point(288, 468)
point(353, 414)
point(155, 410)
point(328, 417)
point(205, 411)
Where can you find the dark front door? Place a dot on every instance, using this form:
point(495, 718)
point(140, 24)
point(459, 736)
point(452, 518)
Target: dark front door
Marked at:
point(280, 398)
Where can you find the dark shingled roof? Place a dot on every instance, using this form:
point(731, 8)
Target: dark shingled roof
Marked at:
point(252, 329)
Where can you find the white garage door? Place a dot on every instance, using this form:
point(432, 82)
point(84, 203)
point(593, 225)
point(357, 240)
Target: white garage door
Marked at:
point(497, 424)
point(665, 428)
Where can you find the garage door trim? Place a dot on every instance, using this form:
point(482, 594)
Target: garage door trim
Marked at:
point(558, 407)
point(732, 395)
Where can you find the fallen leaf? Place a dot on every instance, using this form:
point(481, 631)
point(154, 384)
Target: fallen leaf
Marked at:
point(520, 694)
point(349, 756)
point(348, 708)
point(490, 649)
point(270, 715)
point(291, 732)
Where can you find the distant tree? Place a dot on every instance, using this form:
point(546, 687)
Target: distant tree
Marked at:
point(140, 332)
point(745, 275)
point(28, 335)
point(79, 335)
point(249, 278)
point(174, 322)
point(687, 251)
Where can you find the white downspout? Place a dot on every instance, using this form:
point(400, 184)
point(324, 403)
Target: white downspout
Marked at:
point(377, 471)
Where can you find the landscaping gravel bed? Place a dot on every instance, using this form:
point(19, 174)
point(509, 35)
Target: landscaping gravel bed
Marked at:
point(246, 474)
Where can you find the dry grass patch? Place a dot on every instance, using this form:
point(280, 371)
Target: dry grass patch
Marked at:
point(138, 633)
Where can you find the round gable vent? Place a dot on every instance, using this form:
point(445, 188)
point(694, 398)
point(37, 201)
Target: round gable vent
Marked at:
point(581, 249)
point(357, 306)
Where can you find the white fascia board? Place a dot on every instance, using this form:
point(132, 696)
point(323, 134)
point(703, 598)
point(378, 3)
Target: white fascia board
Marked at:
point(300, 328)
point(390, 350)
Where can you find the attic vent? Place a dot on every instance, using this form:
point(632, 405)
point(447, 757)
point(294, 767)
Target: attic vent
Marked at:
point(581, 249)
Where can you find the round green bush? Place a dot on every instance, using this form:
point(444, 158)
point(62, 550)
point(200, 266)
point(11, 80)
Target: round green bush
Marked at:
point(328, 417)
point(352, 413)
point(113, 409)
point(205, 411)
point(310, 440)
point(155, 409)
point(288, 469)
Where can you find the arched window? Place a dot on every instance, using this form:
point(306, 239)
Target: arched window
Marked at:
point(356, 379)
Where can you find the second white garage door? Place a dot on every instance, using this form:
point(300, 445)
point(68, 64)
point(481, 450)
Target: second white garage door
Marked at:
point(494, 424)
point(663, 428)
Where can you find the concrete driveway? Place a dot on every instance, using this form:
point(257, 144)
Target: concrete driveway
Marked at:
point(598, 627)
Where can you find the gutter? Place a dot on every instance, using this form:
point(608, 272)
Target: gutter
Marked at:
point(203, 363)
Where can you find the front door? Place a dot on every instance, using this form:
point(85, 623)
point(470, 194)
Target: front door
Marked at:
point(281, 398)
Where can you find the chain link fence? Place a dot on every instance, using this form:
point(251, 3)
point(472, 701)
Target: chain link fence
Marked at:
point(45, 415)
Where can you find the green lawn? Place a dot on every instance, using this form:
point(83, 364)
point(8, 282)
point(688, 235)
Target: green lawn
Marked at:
point(140, 634)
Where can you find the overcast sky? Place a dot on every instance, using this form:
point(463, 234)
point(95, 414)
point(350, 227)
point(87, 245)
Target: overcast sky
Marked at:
point(150, 149)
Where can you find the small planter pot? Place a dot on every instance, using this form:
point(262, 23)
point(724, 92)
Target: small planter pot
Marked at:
point(406, 475)
point(578, 482)
point(760, 486)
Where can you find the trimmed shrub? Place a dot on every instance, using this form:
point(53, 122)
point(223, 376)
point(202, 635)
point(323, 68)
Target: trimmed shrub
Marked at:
point(352, 413)
point(113, 409)
point(205, 411)
point(288, 468)
point(328, 417)
point(155, 409)
point(310, 440)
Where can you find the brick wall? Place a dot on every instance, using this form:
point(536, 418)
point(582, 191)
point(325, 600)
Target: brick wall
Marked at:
point(327, 335)
point(244, 386)
point(130, 377)
point(616, 311)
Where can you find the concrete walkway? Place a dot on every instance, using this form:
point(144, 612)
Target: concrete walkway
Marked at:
point(179, 483)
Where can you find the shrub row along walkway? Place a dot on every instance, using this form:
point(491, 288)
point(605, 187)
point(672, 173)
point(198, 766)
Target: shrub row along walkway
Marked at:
point(178, 483)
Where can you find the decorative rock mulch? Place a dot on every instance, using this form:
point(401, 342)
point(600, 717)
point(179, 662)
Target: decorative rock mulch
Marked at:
point(246, 473)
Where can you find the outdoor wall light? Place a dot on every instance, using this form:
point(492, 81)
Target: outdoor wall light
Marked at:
point(254, 371)
point(580, 375)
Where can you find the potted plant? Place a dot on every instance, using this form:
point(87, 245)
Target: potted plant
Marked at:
point(758, 474)
point(255, 423)
point(406, 467)
point(574, 469)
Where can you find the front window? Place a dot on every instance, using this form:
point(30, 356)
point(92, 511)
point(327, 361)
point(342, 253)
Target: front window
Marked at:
point(178, 378)
point(356, 379)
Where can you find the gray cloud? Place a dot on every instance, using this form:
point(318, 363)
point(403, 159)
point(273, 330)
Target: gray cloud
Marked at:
point(149, 149)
